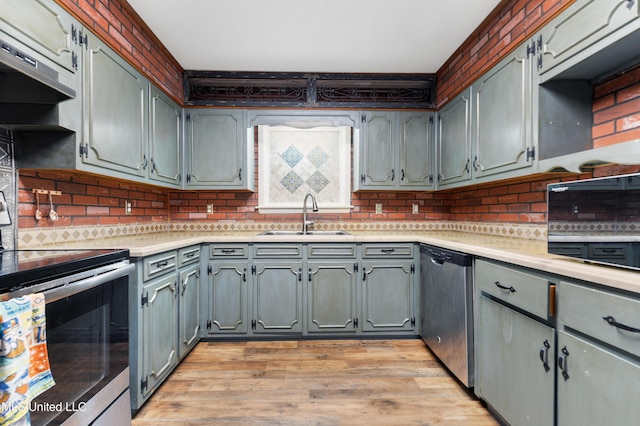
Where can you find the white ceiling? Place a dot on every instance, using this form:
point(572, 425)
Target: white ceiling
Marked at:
point(332, 36)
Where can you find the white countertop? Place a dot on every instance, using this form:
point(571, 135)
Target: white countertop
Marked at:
point(523, 252)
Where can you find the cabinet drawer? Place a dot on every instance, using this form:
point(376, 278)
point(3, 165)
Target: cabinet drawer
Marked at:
point(188, 255)
point(331, 250)
point(278, 250)
point(159, 264)
point(232, 251)
point(515, 286)
point(601, 314)
point(387, 250)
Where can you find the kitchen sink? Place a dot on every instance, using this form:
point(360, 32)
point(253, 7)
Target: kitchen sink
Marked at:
point(308, 233)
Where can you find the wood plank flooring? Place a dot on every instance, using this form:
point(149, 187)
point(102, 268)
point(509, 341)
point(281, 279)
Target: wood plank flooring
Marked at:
point(319, 382)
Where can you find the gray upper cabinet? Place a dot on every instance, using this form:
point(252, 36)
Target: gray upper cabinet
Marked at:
point(588, 38)
point(453, 142)
point(377, 154)
point(218, 153)
point(416, 150)
point(165, 139)
point(395, 151)
point(45, 27)
point(116, 112)
point(501, 128)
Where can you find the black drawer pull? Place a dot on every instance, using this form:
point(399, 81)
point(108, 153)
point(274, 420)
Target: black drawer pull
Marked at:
point(611, 321)
point(544, 355)
point(190, 254)
point(388, 251)
point(502, 287)
point(228, 251)
point(162, 263)
point(562, 365)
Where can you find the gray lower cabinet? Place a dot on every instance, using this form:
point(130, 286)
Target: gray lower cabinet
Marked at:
point(389, 288)
point(154, 325)
point(507, 355)
point(514, 343)
point(332, 289)
point(277, 297)
point(189, 299)
point(598, 356)
point(228, 287)
point(164, 318)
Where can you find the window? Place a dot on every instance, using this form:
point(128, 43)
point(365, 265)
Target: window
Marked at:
point(294, 162)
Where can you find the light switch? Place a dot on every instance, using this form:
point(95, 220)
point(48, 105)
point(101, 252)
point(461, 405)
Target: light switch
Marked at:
point(378, 208)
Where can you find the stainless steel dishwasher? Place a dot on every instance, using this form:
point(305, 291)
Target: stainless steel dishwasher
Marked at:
point(446, 304)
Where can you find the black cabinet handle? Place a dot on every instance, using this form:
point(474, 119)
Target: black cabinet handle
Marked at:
point(544, 355)
point(402, 175)
point(300, 275)
point(612, 322)
point(244, 275)
point(393, 175)
point(502, 287)
point(466, 166)
point(388, 251)
point(228, 251)
point(162, 263)
point(562, 363)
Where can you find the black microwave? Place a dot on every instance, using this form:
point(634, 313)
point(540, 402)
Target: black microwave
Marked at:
point(597, 220)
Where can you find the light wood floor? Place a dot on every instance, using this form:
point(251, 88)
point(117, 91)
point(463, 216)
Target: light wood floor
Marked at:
point(322, 382)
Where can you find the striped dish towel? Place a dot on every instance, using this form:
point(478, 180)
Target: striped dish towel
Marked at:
point(24, 362)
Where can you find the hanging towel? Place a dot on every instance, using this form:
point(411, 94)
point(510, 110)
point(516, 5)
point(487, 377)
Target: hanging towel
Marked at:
point(24, 362)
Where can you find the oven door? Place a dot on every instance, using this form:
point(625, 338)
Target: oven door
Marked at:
point(88, 346)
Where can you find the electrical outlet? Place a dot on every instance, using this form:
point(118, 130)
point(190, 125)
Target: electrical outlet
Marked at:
point(378, 208)
point(127, 207)
point(209, 208)
point(415, 208)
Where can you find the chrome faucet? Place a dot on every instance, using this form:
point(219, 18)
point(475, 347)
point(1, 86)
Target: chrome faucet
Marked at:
point(305, 223)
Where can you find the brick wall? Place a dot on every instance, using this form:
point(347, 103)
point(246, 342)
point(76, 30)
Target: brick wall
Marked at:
point(88, 200)
point(616, 109)
point(506, 28)
point(121, 28)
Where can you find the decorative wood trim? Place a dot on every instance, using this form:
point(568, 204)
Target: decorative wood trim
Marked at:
point(307, 90)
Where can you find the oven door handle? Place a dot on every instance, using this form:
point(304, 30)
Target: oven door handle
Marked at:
point(76, 287)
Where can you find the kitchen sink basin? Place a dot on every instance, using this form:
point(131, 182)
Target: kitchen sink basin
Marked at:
point(308, 233)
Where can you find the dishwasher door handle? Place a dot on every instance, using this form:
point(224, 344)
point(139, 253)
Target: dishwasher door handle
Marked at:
point(438, 262)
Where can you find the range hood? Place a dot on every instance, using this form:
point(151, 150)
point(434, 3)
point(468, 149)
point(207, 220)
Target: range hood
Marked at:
point(29, 92)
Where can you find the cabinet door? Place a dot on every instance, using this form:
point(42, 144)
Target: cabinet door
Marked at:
point(216, 150)
point(331, 297)
point(595, 386)
point(377, 156)
point(189, 309)
point(278, 297)
point(159, 330)
point(164, 139)
point(511, 352)
point(116, 111)
point(581, 26)
point(454, 140)
point(416, 148)
point(388, 297)
point(43, 26)
point(502, 124)
point(228, 309)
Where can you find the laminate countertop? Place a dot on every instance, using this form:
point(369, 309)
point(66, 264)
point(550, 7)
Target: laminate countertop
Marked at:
point(523, 252)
